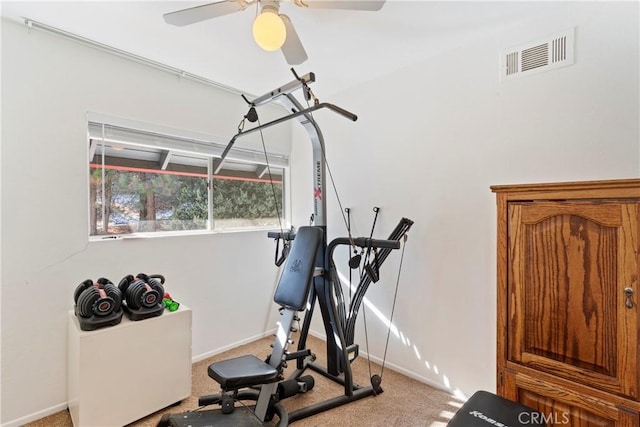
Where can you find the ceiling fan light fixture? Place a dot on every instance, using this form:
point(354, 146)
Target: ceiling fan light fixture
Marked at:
point(269, 30)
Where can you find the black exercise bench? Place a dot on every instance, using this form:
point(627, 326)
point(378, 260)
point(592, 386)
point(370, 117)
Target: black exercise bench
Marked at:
point(485, 409)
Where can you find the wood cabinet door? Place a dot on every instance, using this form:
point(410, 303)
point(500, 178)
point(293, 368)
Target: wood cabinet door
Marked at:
point(569, 263)
point(560, 406)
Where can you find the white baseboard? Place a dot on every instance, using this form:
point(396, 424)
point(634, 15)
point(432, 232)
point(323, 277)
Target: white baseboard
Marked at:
point(408, 373)
point(36, 416)
point(219, 350)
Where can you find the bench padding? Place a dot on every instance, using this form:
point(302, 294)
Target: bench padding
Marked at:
point(243, 371)
point(295, 281)
point(485, 409)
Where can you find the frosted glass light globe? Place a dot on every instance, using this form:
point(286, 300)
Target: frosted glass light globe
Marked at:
point(269, 31)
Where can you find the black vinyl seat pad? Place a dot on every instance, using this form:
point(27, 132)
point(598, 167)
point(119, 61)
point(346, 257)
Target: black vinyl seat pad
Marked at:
point(243, 371)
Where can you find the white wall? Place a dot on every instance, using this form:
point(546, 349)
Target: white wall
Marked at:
point(48, 85)
point(433, 137)
point(429, 142)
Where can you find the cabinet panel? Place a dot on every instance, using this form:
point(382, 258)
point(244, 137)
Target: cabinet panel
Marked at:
point(561, 406)
point(569, 263)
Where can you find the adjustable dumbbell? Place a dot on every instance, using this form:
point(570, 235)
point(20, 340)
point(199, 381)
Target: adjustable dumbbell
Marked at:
point(142, 291)
point(99, 298)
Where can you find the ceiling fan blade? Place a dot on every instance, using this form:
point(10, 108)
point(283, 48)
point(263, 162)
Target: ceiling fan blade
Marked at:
point(292, 48)
point(204, 12)
point(370, 5)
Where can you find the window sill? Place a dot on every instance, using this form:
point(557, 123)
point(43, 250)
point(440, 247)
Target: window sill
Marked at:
point(161, 234)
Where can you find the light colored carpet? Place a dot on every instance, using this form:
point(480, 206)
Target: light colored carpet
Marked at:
point(404, 402)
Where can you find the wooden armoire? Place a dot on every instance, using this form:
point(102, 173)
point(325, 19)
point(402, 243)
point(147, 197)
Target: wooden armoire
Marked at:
point(567, 300)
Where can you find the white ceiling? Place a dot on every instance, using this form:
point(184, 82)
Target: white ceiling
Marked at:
point(344, 47)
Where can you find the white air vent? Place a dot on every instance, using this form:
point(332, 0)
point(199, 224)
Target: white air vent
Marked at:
point(547, 54)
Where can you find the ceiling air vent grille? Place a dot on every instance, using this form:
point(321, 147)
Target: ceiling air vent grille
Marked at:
point(542, 55)
point(534, 57)
point(559, 49)
point(512, 63)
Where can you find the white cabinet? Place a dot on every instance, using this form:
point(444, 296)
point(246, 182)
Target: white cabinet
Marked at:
point(119, 374)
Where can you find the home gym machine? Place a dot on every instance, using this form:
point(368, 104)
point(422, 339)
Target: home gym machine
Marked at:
point(309, 277)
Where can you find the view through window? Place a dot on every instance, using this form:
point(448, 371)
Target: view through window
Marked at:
point(139, 187)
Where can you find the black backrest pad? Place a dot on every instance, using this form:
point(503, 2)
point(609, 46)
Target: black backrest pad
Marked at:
point(295, 281)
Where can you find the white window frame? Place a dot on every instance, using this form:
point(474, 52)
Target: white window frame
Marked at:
point(131, 133)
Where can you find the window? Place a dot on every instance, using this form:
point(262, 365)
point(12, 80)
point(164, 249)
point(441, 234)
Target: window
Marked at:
point(149, 182)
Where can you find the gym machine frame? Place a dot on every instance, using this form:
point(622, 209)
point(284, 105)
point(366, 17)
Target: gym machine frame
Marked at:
point(339, 329)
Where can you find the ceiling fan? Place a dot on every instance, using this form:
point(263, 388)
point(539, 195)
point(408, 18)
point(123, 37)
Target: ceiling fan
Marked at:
point(271, 29)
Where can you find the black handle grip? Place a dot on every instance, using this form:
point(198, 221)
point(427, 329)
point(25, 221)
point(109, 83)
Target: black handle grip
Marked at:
point(365, 242)
point(287, 235)
point(349, 115)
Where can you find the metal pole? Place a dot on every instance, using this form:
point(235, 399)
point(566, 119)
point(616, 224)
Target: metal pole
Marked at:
point(304, 112)
point(284, 89)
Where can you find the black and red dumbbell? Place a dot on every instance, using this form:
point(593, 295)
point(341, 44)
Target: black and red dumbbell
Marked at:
point(142, 291)
point(100, 298)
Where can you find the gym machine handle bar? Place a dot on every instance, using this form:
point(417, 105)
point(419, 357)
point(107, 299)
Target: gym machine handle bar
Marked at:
point(287, 235)
point(365, 242)
point(332, 107)
point(362, 242)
